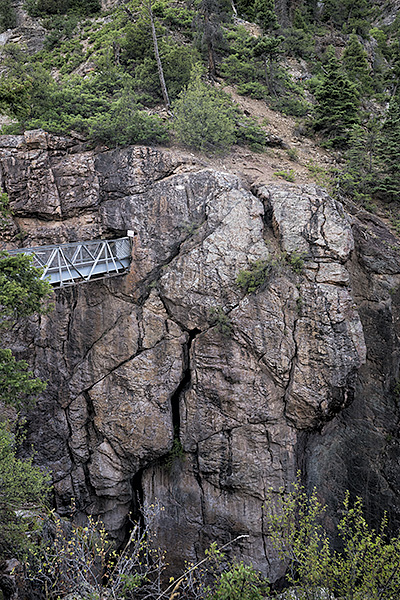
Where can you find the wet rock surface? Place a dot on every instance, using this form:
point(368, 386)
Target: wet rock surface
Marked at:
point(301, 373)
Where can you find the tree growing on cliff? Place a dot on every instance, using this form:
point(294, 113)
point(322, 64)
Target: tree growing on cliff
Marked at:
point(8, 18)
point(356, 64)
point(207, 23)
point(22, 487)
point(387, 184)
point(22, 293)
point(337, 108)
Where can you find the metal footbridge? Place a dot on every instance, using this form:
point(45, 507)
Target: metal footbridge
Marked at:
point(67, 264)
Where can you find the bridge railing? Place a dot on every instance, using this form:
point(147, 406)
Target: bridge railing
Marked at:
point(65, 264)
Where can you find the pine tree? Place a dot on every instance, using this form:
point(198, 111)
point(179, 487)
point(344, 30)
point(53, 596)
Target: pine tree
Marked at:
point(337, 103)
point(267, 51)
point(348, 15)
point(264, 11)
point(357, 178)
point(356, 64)
point(387, 187)
point(8, 17)
point(211, 13)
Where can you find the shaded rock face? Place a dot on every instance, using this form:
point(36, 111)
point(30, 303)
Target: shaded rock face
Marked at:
point(301, 373)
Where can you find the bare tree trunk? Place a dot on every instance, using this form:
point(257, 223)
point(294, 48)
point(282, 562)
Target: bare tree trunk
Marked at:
point(156, 52)
point(210, 47)
point(158, 59)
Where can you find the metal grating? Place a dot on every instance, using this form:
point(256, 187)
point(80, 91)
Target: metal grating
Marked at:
point(67, 264)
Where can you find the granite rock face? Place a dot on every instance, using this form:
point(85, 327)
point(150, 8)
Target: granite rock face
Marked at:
point(300, 374)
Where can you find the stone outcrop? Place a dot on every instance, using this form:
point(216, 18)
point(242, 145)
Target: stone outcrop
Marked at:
point(300, 374)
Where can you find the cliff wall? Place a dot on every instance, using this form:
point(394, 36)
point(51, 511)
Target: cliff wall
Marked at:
point(301, 374)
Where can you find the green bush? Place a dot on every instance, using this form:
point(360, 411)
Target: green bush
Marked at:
point(367, 566)
point(22, 487)
point(240, 582)
point(290, 105)
point(218, 318)
point(298, 43)
point(204, 117)
point(102, 106)
point(287, 175)
point(250, 133)
point(252, 279)
point(254, 89)
point(126, 123)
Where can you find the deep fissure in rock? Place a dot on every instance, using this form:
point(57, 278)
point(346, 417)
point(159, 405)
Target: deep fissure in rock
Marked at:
point(185, 382)
point(137, 501)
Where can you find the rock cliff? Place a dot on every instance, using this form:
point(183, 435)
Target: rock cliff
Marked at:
point(171, 382)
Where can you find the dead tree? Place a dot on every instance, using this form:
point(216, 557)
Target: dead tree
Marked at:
point(156, 51)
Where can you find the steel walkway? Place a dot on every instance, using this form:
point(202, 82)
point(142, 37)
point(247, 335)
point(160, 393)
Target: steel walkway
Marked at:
point(67, 264)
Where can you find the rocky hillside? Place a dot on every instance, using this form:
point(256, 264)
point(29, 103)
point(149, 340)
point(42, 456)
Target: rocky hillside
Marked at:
point(174, 383)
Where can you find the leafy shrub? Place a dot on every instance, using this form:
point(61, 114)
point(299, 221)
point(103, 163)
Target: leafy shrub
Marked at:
point(298, 43)
point(252, 279)
point(287, 175)
point(178, 62)
point(126, 123)
point(239, 66)
point(70, 558)
point(22, 293)
point(60, 27)
point(176, 453)
point(218, 318)
point(101, 106)
point(250, 133)
point(296, 261)
point(240, 582)
point(204, 117)
point(367, 566)
point(254, 89)
point(22, 486)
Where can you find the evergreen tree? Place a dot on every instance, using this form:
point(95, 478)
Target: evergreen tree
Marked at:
point(211, 14)
point(337, 103)
point(356, 64)
point(357, 178)
point(8, 18)
point(265, 15)
point(348, 15)
point(267, 51)
point(388, 154)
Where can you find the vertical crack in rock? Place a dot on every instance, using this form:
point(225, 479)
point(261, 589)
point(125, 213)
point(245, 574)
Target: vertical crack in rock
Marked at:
point(184, 383)
point(291, 372)
point(95, 437)
point(136, 502)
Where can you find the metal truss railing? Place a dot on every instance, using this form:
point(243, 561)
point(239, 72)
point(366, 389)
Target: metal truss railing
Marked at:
point(66, 264)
